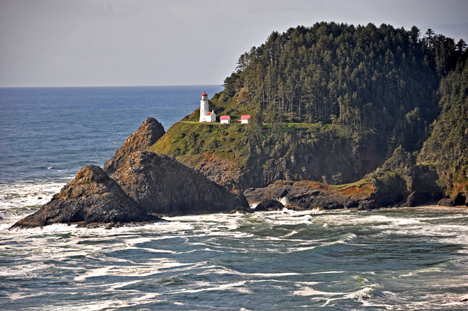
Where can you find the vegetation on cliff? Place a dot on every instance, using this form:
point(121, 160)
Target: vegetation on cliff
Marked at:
point(329, 103)
point(362, 79)
point(447, 146)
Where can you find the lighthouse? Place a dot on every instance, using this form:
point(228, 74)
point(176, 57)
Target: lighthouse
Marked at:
point(205, 114)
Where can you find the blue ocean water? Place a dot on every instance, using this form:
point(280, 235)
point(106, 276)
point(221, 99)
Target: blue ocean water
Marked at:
point(51, 132)
point(389, 259)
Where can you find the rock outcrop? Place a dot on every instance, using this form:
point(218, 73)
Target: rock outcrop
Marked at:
point(269, 205)
point(135, 186)
point(221, 171)
point(146, 135)
point(163, 186)
point(306, 197)
point(459, 199)
point(92, 197)
point(302, 196)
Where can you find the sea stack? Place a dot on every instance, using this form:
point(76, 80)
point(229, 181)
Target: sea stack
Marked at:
point(92, 197)
point(146, 135)
point(163, 186)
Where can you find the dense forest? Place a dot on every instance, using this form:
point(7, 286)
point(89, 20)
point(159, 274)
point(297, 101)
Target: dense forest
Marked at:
point(337, 103)
point(361, 79)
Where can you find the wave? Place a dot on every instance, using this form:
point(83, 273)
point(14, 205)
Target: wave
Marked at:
point(17, 199)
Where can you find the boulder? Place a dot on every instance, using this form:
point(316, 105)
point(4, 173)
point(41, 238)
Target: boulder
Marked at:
point(163, 186)
point(146, 135)
point(418, 198)
point(92, 197)
point(459, 199)
point(303, 197)
point(269, 205)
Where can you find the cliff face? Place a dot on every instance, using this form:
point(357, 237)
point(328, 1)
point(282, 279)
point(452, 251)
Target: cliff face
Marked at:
point(365, 196)
point(327, 159)
point(163, 186)
point(227, 154)
point(146, 135)
point(93, 197)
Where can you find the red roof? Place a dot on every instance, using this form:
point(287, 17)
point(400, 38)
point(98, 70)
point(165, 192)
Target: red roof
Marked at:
point(204, 93)
point(245, 117)
point(209, 113)
point(224, 117)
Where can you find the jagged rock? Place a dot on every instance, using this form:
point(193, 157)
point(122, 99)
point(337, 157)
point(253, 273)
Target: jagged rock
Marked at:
point(220, 171)
point(92, 197)
point(146, 135)
point(163, 186)
point(306, 197)
point(302, 196)
point(459, 199)
point(269, 205)
point(417, 198)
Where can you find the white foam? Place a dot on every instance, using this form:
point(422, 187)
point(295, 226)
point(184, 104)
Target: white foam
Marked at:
point(284, 201)
point(93, 273)
point(310, 291)
point(21, 194)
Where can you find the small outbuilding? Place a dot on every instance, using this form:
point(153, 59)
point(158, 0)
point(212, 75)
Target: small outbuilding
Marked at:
point(210, 117)
point(245, 119)
point(225, 119)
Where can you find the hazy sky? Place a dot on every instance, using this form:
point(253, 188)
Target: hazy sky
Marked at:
point(176, 42)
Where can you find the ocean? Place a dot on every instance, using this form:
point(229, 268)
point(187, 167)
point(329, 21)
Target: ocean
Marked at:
point(388, 259)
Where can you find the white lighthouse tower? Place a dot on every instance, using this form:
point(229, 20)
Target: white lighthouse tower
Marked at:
point(205, 114)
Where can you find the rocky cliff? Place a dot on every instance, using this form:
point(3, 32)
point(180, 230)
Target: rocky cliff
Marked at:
point(163, 186)
point(141, 186)
point(92, 197)
point(146, 135)
point(303, 196)
point(233, 156)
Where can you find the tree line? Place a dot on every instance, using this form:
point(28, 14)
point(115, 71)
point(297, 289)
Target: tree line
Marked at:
point(362, 79)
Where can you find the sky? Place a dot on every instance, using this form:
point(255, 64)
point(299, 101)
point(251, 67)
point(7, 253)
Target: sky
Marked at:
point(177, 42)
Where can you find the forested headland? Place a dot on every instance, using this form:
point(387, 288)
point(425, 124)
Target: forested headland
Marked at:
point(337, 103)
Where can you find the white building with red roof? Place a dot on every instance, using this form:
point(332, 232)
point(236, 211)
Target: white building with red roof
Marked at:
point(245, 119)
point(225, 119)
point(205, 114)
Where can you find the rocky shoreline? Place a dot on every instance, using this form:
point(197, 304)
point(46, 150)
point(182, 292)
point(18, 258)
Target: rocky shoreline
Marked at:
point(300, 197)
point(137, 186)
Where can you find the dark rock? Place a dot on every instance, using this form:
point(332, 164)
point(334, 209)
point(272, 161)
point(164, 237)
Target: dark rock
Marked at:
point(272, 192)
point(93, 197)
point(221, 171)
point(459, 199)
point(307, 197)
point(415, 199)
point(146, 135)
point(418, 198)
point(303, 197)
point(269, 205)
point(163, 186)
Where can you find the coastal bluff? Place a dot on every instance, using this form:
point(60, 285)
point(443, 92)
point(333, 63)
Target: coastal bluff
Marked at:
point(146, 135)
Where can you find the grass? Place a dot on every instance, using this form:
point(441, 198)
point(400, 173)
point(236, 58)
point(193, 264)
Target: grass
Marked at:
point(190, 142)
point(357, 184)
point(358, 188)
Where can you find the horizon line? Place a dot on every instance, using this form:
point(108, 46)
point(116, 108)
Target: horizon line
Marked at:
point(102, 86)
